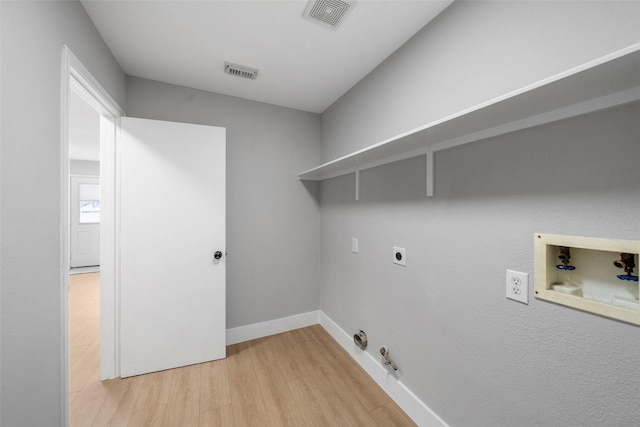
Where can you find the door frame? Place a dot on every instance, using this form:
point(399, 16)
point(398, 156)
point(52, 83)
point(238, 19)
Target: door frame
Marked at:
point(77, 78)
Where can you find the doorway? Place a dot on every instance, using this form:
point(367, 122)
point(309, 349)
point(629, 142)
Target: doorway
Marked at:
point(84, 185)
point(81, 89)
point(84, 243)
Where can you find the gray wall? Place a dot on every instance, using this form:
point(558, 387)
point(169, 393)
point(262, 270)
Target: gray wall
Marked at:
point(31, 342)
point(84, 167)
point(273, 220)
point(457, 340)
point(472, 52)
point(474, 357)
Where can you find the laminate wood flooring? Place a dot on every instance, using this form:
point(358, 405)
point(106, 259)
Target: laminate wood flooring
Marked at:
point(297, 378)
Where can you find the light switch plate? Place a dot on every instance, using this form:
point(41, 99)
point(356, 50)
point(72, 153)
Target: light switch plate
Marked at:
point(518, 286)
point(400, 256)
point(354, 245)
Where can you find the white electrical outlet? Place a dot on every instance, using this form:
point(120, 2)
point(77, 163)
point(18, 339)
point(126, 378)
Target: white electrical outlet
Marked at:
point(354, 245)
point(400, 256)
point(518, 286)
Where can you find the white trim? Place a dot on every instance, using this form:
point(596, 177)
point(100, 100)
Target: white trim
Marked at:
point(271, 327)
point(82, 175)
point(538, 103)
point(98, 97)
point(65, 88)
point(109, 303)
point(76, 77)
point(420, 413)
point(116, 245)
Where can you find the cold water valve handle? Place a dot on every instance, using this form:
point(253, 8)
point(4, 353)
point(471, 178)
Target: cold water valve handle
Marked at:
point(565, 256)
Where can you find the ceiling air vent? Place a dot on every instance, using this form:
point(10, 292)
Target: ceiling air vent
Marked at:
point(328, 13)
point(240, 71)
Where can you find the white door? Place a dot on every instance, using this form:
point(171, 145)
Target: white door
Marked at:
point(84, 244)
point(172, 245)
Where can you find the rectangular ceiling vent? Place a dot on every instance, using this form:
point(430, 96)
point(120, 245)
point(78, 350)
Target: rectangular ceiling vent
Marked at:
point(328, 13)
point(240, 71)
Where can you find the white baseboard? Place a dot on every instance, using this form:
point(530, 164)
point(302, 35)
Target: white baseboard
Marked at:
point(83, 270)
point(420, 413)
point(271, 327)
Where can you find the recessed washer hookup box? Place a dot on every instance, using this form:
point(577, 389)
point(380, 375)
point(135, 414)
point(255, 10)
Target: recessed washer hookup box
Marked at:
point(591, 274)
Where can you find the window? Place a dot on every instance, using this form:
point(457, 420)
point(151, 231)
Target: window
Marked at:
point(89, 204)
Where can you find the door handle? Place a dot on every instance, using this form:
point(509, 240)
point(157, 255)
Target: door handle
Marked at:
point(217, 255)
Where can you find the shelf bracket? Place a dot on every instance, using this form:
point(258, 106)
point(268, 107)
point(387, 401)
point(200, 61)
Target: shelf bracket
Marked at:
point(430, 173)
point(357, 185)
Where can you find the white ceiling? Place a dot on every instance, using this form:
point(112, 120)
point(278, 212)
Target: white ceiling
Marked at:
point(301, 65)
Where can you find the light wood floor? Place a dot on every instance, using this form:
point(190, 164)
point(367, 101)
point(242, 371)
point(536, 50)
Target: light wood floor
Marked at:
point(298, 378)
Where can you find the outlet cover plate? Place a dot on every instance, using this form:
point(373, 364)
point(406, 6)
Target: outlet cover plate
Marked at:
point(400, 256)
point(518, 286)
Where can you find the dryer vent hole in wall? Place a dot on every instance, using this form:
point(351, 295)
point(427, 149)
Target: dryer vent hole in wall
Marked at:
point(360, 339)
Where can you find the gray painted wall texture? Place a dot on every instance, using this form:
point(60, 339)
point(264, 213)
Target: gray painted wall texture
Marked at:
point(474, 357)
point(471, 355)
point(84, 167)
point(472, 52)
point(273, 220)
point(33, 34)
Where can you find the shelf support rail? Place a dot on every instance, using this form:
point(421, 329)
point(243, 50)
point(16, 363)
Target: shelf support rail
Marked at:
point(430, 177)
point(430, 173)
